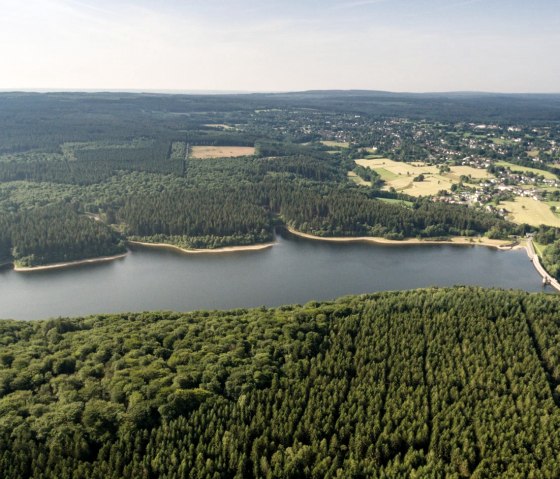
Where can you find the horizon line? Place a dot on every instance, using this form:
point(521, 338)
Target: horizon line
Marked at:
point(175, 91)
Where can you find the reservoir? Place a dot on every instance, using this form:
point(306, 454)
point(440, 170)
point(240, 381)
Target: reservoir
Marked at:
point(295, 270)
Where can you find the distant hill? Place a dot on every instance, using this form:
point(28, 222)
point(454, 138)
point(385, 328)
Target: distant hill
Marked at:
point(447, 106)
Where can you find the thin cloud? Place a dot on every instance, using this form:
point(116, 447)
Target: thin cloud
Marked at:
point(357, 4)
point(451, 6)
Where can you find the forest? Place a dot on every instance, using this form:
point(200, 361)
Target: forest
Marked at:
point(55, 234)
point(458, 382)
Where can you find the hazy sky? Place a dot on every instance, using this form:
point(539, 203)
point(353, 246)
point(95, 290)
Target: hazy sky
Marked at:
point(265, 45)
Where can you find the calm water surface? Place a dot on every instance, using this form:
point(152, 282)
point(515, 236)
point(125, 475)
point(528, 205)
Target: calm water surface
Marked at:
point(293, 271)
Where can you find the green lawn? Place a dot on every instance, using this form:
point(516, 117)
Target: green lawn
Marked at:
point(385, 174)
point(539, 248)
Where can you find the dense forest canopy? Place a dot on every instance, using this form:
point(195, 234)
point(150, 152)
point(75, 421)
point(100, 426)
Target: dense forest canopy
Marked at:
point(56, 234)
point(459, 382)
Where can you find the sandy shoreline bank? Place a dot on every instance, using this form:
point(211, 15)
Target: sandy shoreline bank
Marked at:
point(225, 249)
point(69, 264)
point(457, 240)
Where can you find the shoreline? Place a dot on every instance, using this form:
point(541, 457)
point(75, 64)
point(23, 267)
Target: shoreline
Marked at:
point(225, 249)
point(456, 240)
point(68, 264)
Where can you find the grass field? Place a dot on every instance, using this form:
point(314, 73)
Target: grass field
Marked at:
point(539, 248)
point(400, 175)
point(206, 152)
point(408, 204)
point(336, 144)
point(530, 211)
point(385, 174)
point(356, 179)
point(513, 167)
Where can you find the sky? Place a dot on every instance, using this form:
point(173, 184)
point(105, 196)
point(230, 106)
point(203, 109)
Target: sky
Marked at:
point(282, 45)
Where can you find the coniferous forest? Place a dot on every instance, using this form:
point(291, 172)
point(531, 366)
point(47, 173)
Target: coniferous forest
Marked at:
point(55, 234)
point(457, 382)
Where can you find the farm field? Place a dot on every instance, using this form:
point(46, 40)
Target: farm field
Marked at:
point(514, 167)
point(400, 175)
point(206, 152)
point(385, 174)
point(475, 173)
point(530, 211)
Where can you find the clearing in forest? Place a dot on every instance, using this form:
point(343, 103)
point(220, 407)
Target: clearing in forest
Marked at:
point(358, 180)
point(206, 152)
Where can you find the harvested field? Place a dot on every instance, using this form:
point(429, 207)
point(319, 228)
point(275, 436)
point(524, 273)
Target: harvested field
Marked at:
point(400, 175)
point(531, 211)
point(206, 152)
